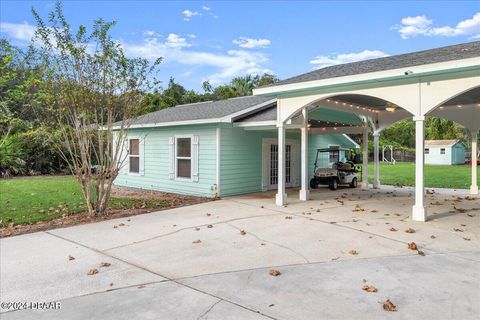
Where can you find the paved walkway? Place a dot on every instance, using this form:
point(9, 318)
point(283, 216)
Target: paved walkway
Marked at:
point(196, 263)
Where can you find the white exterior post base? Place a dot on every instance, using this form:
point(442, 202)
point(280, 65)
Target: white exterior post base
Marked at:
point(419, 214)
point(304, 195)
point(281, 199)
point(474, 190)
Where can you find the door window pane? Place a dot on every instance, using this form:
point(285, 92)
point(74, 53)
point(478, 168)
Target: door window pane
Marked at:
point(184, 168)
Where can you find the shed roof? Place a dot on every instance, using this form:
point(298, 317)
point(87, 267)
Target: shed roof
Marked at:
point(443, 54)
point(441, 143)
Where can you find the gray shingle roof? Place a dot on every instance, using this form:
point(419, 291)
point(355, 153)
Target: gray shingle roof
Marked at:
point(200, 111)
point(266, 114)
point(460, 51)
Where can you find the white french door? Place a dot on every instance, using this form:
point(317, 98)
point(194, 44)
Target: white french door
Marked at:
point(270, 164)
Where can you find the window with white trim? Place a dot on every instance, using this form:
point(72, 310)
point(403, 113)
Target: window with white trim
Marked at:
point(427, 150)
point(183, 157)
point(134, 155)
point(442, 150)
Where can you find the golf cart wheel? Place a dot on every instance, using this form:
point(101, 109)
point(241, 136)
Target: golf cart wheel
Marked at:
point(333, 185)
point(354, 183)
point(313, 183)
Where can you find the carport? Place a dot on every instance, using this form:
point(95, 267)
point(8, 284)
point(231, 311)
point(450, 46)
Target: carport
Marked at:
point(442, 82)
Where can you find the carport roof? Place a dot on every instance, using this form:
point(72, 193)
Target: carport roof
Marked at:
point(443, 54)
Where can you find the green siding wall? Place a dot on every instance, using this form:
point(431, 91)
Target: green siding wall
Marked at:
point(156, 175)
point(241, 159)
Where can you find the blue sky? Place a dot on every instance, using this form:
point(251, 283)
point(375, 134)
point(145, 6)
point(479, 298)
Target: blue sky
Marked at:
point(216, 41)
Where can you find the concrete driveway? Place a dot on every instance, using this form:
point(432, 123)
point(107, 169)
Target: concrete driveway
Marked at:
point(196, 263)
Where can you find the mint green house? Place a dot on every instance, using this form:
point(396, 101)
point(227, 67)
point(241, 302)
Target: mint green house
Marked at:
point(223, 148)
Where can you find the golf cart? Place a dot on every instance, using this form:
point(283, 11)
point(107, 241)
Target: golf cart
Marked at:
point(341, 173)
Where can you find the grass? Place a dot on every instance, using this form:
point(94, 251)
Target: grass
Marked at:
point(28, 200)
point(436, 176)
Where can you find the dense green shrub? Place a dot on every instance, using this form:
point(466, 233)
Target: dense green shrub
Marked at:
point(31, 152)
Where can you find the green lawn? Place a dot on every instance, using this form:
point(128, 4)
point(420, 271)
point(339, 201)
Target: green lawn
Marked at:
point(439, 176)
point(28, 200)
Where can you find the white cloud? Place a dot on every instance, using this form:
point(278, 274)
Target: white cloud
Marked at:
point(206, 8)
point(18, 31)
point(249, 43)
point(422, 26)
point(149, 33)
point(188, 14)
point(226, 65)
point(176, 41)
point(325, 61)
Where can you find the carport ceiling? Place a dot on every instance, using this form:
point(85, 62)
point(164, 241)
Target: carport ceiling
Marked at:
point(361, 100)
point(469, 97)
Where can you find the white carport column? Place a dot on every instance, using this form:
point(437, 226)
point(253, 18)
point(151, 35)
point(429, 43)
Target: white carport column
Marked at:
point(304, 191)
point(376, 169)
point(281, 198)
point(474, 186)
point(365, 158)
point(419, 212)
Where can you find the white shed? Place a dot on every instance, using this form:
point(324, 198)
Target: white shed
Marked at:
point(445, 152)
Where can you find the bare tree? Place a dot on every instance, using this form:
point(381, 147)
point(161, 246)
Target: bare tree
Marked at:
point(93, 89)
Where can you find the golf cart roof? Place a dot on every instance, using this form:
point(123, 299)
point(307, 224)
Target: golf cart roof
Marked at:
point(333, 149)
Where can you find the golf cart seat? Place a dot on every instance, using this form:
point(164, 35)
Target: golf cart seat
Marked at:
point(325, 172)
point(345, 166)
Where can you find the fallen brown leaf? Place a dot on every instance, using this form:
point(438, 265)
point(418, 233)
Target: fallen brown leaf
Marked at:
point(141, 286)
point(242, 232)
point(71, 257)
point(353, 252)
point(105, 264)
point(457, 230)
point(466, 238)
point(274, 272)
point(210, 226)
point(288, 217)
point(412, 246)
point(389, 306)
point(410, 230)
point(393, 229)
point(197, 241)
point(368, 288)
point(91, 272)
point(420, 252)
point(461, 210)
point(433, 237)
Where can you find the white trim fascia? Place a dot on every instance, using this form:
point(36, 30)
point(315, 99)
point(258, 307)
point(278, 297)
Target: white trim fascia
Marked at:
point(378, 76)
point(256, 123)
point(169, 124)
point(357, 146)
